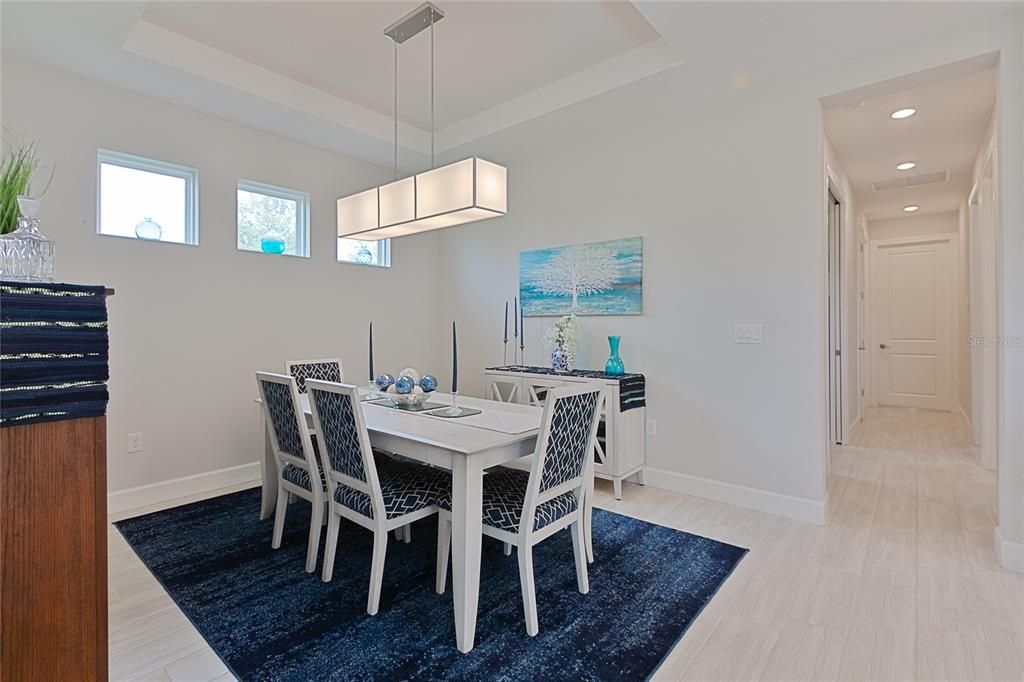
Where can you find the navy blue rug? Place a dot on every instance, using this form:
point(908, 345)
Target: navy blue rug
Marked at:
point(269, 620)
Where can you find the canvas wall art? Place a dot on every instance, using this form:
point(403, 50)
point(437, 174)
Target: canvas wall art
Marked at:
point(600, 278)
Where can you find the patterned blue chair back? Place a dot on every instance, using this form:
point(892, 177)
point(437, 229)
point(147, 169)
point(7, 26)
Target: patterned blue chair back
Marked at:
point(569, 429)
point(282, 413)
point(342, 445)
point(324, 370)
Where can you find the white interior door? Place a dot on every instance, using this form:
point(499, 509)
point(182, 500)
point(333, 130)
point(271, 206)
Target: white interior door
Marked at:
point(912, 290)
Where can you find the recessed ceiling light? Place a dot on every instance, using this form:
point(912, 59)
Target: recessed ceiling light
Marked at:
point(903, 113)
point(911, 208)
point(906, 165)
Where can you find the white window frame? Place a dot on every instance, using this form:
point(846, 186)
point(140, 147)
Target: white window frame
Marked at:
point(383, 248)
point(188, 174)
point(301, 200)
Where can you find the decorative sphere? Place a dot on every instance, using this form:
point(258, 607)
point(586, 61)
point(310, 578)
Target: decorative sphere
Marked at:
point(428, 382)
point(404, 385)
point(148, 229)
point(272, 243)
point(411, 373)
point(384, 381)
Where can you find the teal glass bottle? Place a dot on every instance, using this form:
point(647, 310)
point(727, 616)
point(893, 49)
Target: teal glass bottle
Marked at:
point(614, 366)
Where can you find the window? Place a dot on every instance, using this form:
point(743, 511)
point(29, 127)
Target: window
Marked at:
point(272, 219)
point(146, 199)
point(365, 253)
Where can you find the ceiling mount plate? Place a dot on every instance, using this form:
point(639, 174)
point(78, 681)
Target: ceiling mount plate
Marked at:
point(414, 22)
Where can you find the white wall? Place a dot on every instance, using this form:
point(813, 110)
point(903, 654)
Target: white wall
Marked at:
point(963, 310)
point(189, 325)
point(725, 186)
point(914, 226)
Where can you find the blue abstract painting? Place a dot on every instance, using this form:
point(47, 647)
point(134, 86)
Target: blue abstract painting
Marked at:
point(600, 278)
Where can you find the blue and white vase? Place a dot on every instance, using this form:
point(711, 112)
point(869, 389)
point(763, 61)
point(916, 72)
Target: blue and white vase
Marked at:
point(560, 360)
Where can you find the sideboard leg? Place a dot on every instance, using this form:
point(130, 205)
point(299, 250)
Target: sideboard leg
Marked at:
point(617, 485)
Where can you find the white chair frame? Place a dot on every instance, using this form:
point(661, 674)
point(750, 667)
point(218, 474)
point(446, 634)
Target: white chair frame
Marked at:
point(322, 361)
point(308, 462)
point(380, 524)
point(526, 537)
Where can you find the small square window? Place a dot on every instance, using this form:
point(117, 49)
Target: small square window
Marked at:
point(146, 199)
point(272, 219)
point(365, 253)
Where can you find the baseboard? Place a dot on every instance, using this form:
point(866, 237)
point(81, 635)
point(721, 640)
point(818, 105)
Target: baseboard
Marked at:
point(799, 508)
point(1010, 554)
point(197, 484)
point(970, 427)
point(852, 428)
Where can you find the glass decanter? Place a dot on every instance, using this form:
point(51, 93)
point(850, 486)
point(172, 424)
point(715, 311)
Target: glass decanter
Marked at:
point(26, 254)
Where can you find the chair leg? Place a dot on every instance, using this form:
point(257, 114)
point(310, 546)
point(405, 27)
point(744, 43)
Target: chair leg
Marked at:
point(529, 594)
point(333, 525)
point(580, 552)
point(279, 513)
point(380, 548)
point(313, 548)
point(407, 534)
point(508, 549)
point(399, 532)
point(587, 521)
point(444, 547)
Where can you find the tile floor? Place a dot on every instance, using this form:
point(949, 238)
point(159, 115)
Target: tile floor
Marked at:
point(902, 583)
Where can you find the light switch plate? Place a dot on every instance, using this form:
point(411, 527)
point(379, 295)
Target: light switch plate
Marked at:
point(747, 333)
point(134, 442)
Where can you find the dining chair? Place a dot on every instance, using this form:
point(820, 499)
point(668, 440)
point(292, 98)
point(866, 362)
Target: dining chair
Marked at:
point(325, 370)
point(377, 493)
point(296, 457)
point(522, 508)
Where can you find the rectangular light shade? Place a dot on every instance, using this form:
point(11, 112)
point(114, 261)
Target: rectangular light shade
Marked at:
point(460, 192)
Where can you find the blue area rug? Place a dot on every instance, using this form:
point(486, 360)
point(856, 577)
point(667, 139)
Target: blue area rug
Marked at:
point(269, 620)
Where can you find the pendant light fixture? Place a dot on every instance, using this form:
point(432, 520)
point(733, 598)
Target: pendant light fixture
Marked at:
point(461, 192)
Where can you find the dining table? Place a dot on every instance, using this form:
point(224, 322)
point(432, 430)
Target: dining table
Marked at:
point(467, 446)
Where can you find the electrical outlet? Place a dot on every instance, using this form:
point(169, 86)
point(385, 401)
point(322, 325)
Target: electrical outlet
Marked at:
point(747, 333)
point(652, 427)
point(135, 442)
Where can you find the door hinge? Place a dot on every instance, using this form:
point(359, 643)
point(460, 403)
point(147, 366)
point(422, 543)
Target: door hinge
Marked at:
point(862, 392)
point(838, 353)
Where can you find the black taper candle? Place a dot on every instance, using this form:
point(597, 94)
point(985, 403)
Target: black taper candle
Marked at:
point(506, 321)
point(371, 353)
point(515, 320)
point(522, 330)
point(455, 361)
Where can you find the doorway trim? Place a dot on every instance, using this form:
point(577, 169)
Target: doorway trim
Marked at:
point(953, 332)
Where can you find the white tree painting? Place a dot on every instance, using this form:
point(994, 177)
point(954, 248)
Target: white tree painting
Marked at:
point(578, 271)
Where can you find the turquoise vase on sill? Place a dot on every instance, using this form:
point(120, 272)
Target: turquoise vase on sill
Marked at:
point(614, 366)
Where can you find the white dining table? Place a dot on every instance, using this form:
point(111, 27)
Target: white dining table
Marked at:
point(454, 444)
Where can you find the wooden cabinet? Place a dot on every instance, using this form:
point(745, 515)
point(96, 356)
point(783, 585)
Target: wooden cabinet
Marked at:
point(620, 450)
point(53, 556)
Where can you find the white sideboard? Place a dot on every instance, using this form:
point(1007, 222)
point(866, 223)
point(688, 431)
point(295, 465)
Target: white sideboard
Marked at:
point(620, 450)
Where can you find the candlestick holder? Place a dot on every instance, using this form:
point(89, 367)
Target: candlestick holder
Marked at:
point(454, 410)
point(372, 393)
point(504, 353)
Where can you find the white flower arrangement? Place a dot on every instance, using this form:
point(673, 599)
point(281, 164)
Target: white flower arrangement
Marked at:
point(564, 334)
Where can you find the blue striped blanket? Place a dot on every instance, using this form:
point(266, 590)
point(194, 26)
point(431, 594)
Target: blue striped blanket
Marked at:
point(53, 352)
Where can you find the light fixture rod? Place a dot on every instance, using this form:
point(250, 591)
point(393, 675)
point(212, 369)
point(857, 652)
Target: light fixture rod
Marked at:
point(395, 166)
point(431, 90)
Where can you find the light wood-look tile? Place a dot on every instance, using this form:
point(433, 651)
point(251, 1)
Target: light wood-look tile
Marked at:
point(902, 583)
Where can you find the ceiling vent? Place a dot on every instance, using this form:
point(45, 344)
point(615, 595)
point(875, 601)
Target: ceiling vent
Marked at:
point(911, 181)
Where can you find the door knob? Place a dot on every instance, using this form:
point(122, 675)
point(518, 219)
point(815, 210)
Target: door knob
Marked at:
point(882, 346)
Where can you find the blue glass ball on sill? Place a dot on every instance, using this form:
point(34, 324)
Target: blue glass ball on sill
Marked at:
point(272, 243)
point(428, 382)
point(149, 229)
point(384, 381)
point(404, 385)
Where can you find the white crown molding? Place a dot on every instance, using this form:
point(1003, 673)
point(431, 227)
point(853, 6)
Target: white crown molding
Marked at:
point(193, 57)
point(610, 74)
